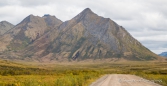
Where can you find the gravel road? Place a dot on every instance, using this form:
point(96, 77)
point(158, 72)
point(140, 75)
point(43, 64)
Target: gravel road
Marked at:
point(124, 80)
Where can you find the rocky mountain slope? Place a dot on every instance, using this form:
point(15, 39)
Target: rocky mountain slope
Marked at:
point(27, 31)
point(164, 54)
point(5, 26)
point(86, 36)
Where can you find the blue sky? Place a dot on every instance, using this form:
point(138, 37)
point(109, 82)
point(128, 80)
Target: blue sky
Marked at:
point(145, 20)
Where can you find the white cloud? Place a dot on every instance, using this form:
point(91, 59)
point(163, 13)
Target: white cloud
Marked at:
point(153, 38)
point(146, 20)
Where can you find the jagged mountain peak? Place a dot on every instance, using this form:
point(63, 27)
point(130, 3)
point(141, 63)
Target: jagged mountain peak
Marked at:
point(52, 21)
point(86, 17)
point(31, 18)
point(85, 13)
point(48, 15)
point(87, 10)
point(51, 17)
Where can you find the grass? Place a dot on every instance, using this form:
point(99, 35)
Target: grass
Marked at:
point(66, 78)
point(76, 74)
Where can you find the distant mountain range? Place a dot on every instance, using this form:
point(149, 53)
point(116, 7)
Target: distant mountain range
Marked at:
point(164, 54)
point(86, 36)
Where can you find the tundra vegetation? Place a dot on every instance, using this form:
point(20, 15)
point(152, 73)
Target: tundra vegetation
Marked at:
point(76, 74)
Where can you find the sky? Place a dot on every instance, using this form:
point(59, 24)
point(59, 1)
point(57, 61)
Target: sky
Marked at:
point(145, 20)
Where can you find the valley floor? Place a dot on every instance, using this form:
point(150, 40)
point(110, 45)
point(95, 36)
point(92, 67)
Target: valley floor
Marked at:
point(78, 74)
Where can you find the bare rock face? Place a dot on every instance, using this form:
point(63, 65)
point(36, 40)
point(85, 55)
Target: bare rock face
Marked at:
point(5, 26)
point(86, 36)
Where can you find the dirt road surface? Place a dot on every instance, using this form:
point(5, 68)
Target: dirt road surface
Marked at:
point(124, 80)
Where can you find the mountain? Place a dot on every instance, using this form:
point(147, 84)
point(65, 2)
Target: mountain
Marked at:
point(27, 31)
point(89, 36)
point(5, 26)
point(86, 36)
point(164, 54)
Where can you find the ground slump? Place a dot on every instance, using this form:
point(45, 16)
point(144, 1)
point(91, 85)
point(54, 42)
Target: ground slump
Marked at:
point(86, 36)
